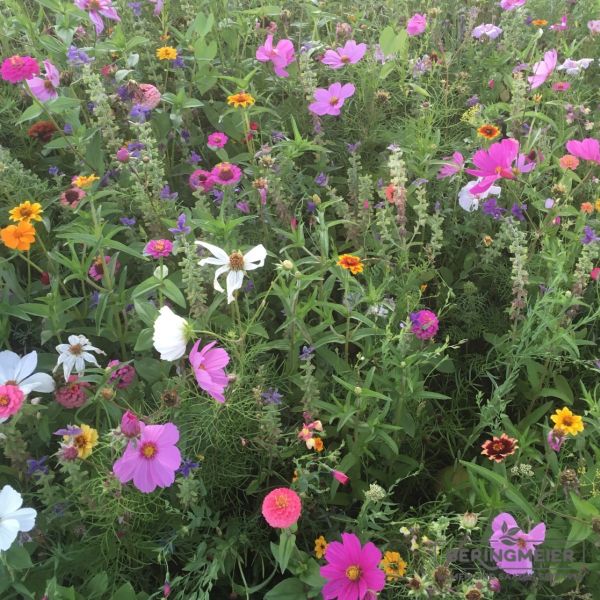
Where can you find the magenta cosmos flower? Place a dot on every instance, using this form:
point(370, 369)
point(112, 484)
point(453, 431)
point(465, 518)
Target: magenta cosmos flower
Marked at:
point(416, 24)
point(158, 248)
point(19, 68)
point(281, 55)
point(587, 149)
point(425, 324)
point(543, 69)
point(209, 365)
point(226, 173)
point(454, 166)
point(350, 54)
point(201, 179)
point(152, 460)
point(330, 101)
point(281, 508)
point(511, 4)
point(96, 9)
point(44, 88)
point(352, 571)
point(217, 140)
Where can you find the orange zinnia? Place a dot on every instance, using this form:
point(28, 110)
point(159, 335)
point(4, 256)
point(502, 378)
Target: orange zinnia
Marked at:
point(539, 22)
point(587, 208)
point(242, 99)
point(568, 161)
point(489, 132)
point(351, 263)
point(19, 236)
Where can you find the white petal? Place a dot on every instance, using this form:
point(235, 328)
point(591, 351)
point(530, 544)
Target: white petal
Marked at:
point(256, 254)
point(10, 500)
point(76, 339)
point(25, 517)
point(38, 382)
point(90, 358)
point(8, 533)
point(213, 261)
point(218, 272)
point(9, 363)
point(27, 366)
point(62, 348)
point(68, 362)
point(79, 365)
point(214, 250)
point(234, 282)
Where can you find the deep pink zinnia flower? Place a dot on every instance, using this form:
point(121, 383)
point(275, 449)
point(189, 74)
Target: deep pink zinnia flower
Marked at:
point(149, 96)
point(352, 571)
point(543, 69)
point(152, 460)
point(425, 324)
point(330, 101)
point(494, 163)
point(587, 149)
point(226, 173)
point(454, 166)
point(350, 54)
point(281, 508)
point(595, 273)
point(416, 25)
point(561, 86)
point(158, 248)
point(44, 88)
point(19, 68)
point(73, 393)
point(280, 55)
point(122, 376)
point(96, 9)
point(11, 400)
point(217, 140)
point(202, 179)
point(209, 365)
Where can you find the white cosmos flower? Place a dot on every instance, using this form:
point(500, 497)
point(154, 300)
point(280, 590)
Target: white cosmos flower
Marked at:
point(170, 334)
point(574, 67)
point(13, 518)
point(234, 264)
point(18, 371)
point(470, 202)
point(75, 354)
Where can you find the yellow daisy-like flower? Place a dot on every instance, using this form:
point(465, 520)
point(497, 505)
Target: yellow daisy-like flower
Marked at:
point(351, 263)
point(166, 53)
point(26, 211)
point(489, 132)
point(320, 547)
point(597, 205)
point(566, 421)
point(83, 181)
point(85, 441)
point(242, 99)
point(393, 565)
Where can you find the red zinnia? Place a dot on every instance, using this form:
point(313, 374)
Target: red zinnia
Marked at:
point(498, 448)
point(42, 131)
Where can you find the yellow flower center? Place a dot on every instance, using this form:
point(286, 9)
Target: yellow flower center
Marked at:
point(148, 450)
point(236, 261)
point(3, 400)
point(81, 441)
point(333, 100)
point(353, 572)
point(567, 420)
point(345, 59)
point(281, 502)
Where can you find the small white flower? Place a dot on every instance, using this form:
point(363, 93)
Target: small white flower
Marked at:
point(13, 518)
point(470, 202)
point(170, 334)
point(234, 264)
point(574, 67)
point(75, 354)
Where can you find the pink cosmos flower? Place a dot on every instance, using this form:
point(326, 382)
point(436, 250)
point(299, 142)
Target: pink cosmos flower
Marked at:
point(122, 376)
point(18, 68)
point(97, 9)
point(555, 439)
point(152, 460)
point(150, 96)
point(341, 477)
point(487, 30)
point(226, 173)
point(543, 69)
point(281, 55)
point(44, 88)
point(425, 324)
point(494, 163)
point(575, 67)
point(454, 166)
point(351, 53)
point(217, 140)
point(330, 101)
point(352, 571)
point(11, 400)
point(511, 4)
point(416, 24)
point(513, 549)
point(209, 365)
point(281, 508)
point(202, 179)
point(594, 27)
point(131, 426)
point(158, 6)
point(587, 149)
point(562, 26)
point(158, 248)
point(73, 394)
point(561, 86)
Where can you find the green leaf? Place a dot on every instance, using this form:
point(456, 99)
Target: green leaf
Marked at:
point(18, 558)
point(173, 292)
point(287, 544)
point(288, 589)
point(30, 113)
point(125, 592)
point(144, 340)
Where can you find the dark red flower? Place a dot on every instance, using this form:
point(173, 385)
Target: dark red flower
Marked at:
point(42, 131)
point(498, 448)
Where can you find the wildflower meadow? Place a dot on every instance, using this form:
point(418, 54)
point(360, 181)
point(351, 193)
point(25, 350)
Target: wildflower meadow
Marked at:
point(299, 300)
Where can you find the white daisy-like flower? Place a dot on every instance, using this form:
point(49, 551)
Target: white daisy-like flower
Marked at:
point(75, 354)
point(170, 334)
point(13, 518)
point(234, 264)
point(18, 371)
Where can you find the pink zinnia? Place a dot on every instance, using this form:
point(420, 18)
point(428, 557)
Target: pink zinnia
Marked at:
point(425, 324)
point(587, 149)
point(494, 163)
point(595, 273)
point(217, 140)
point(152, 460)
point(352, 571)
point(280, 55)
point(18, 68)
point(97, 9)
point(340, 476)
point(73, 394)
point(543, 69)
point(44, 88)
point(416, 25)
point(511, 4)
point(281, 508)
point(11, 400)
point(96, 271)
point(131, 426)
point(122, 376)
point(150, 96)
point(561, 86)
point(350, 54)
point(209, 365)
point(226, 173)
point(329, 101)
point(454, 166)
point(158, 248)
point(202, 179)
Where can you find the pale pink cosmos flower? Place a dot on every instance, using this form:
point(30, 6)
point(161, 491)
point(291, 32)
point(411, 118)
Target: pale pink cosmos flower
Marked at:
point(543, 69)
point(587, 149)
point(451, 168)
point(96, 9)
point(416, 24)
point(281, 55)
point(487, 30)
point(562, 26)
point(511, 4)
point(44, 88)
point(494, 163)
point(594, 26)
point(209, 365)
point(18, 68)
point(574, 67)
point(349, 54)
point(330, 101)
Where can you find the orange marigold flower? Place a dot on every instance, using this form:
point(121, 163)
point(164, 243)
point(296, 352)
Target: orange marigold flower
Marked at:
point(489, 132)
point(587, 208)
point(351, 263)
point(242, 99)
point(498, 448)
point(568, 161)
point(26, 211)
point(19, 236)
point(539, 22)
point(315, 443)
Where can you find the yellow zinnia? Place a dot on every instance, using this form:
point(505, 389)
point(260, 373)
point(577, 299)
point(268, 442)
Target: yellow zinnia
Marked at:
point(166, 53)
point(567, 422)
point(242, 99)
point(393, 565)
point(83, 181)
point(320, 546)
point(85, 441)
point(26, 211)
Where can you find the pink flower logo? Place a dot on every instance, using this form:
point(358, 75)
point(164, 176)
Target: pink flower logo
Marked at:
point(514, 549)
